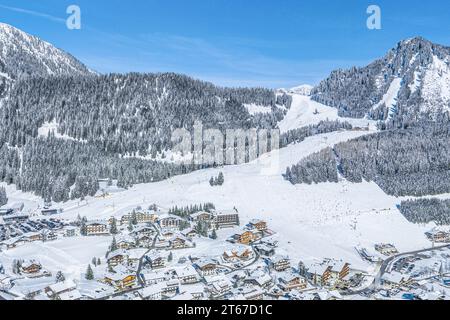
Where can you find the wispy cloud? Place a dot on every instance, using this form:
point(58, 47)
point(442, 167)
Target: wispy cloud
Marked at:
point(230, 61)
point(222, 62)
point(34, 13)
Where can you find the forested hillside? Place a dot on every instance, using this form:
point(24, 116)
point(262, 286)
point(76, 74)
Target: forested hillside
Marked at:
point(427, 210)
point(412, 162)
point(409, 84)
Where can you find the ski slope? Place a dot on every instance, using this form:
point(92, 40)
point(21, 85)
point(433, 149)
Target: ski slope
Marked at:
point(305, 112)
point(312, 221)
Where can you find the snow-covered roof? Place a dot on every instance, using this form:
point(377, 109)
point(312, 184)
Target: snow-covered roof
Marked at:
point(186, 271)
point(152, 290)
point(70, 295)
point(62, 286)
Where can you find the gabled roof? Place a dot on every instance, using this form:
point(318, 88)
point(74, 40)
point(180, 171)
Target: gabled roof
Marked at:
point(62, 286)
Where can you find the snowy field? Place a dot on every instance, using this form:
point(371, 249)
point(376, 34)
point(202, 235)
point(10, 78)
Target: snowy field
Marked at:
point(69, 255)
point(305, 112)
point(312, 221)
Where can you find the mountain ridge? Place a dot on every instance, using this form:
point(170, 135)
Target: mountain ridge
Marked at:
point(422, 69)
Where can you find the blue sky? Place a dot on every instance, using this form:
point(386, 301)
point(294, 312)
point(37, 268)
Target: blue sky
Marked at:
point(279, 43)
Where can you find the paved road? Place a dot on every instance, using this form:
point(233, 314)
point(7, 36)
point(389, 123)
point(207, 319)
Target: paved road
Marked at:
point(141, 260)
point(377, 280)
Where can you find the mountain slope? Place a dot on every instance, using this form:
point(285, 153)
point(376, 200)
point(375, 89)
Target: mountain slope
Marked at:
point(23, 55)
point(104, 125)
point(411, 82)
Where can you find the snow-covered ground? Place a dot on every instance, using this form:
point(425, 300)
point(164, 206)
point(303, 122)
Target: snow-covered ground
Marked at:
point(305, 112)
point(390, 98)
point(69, 255)
point(254, 108)
point(312, 221)
point(52, 127)
point(436, 86)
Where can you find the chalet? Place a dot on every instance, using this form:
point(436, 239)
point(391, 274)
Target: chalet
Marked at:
point(319, 273)
point(252, 293)
point(70, 231)
point(95, 228)
point(395, 280)
point(206, 267)
point(260, 279)
point(279, 263)
point(120, 281)
point(135, 255)
point(189, 233)
point(289, 281)
point(201, 216)
point(125, 242)
point(246, 237)
point(218, 286)
point(31, 267)
point(142, 230)
point(153, 292)
point(162, 244)
point(187, 275)
point(167, 234)
point(438, 236)
point(340, 270)
point(144, 239)
point(171, 287)
point(180, 242)
point(55, 290)
point(196, 290)
point(33, 236)
point(223, 220)
point(257, 224)
point(156, 261)
point(15, 242)
point(141, 217)
point(117, 257)
point(168, 221)
point(327, 272)
point(386, 249)
point(238, 254)
point(48, 235)
point(154, 277)
point(70, 295)
point(265, 250)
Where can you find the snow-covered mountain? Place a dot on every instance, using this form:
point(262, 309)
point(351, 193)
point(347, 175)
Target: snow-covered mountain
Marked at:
point(303, 90)
point(24, 55)
point(411, 81)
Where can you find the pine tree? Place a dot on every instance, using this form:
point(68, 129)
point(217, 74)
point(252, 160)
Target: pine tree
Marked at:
point(83, 226)
point(113, 246)
point(170, 257)
point(89, 273)
point(220, 179)
point(3, 196)
point(214, 234)
point(113, 227)
point(60, 277)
